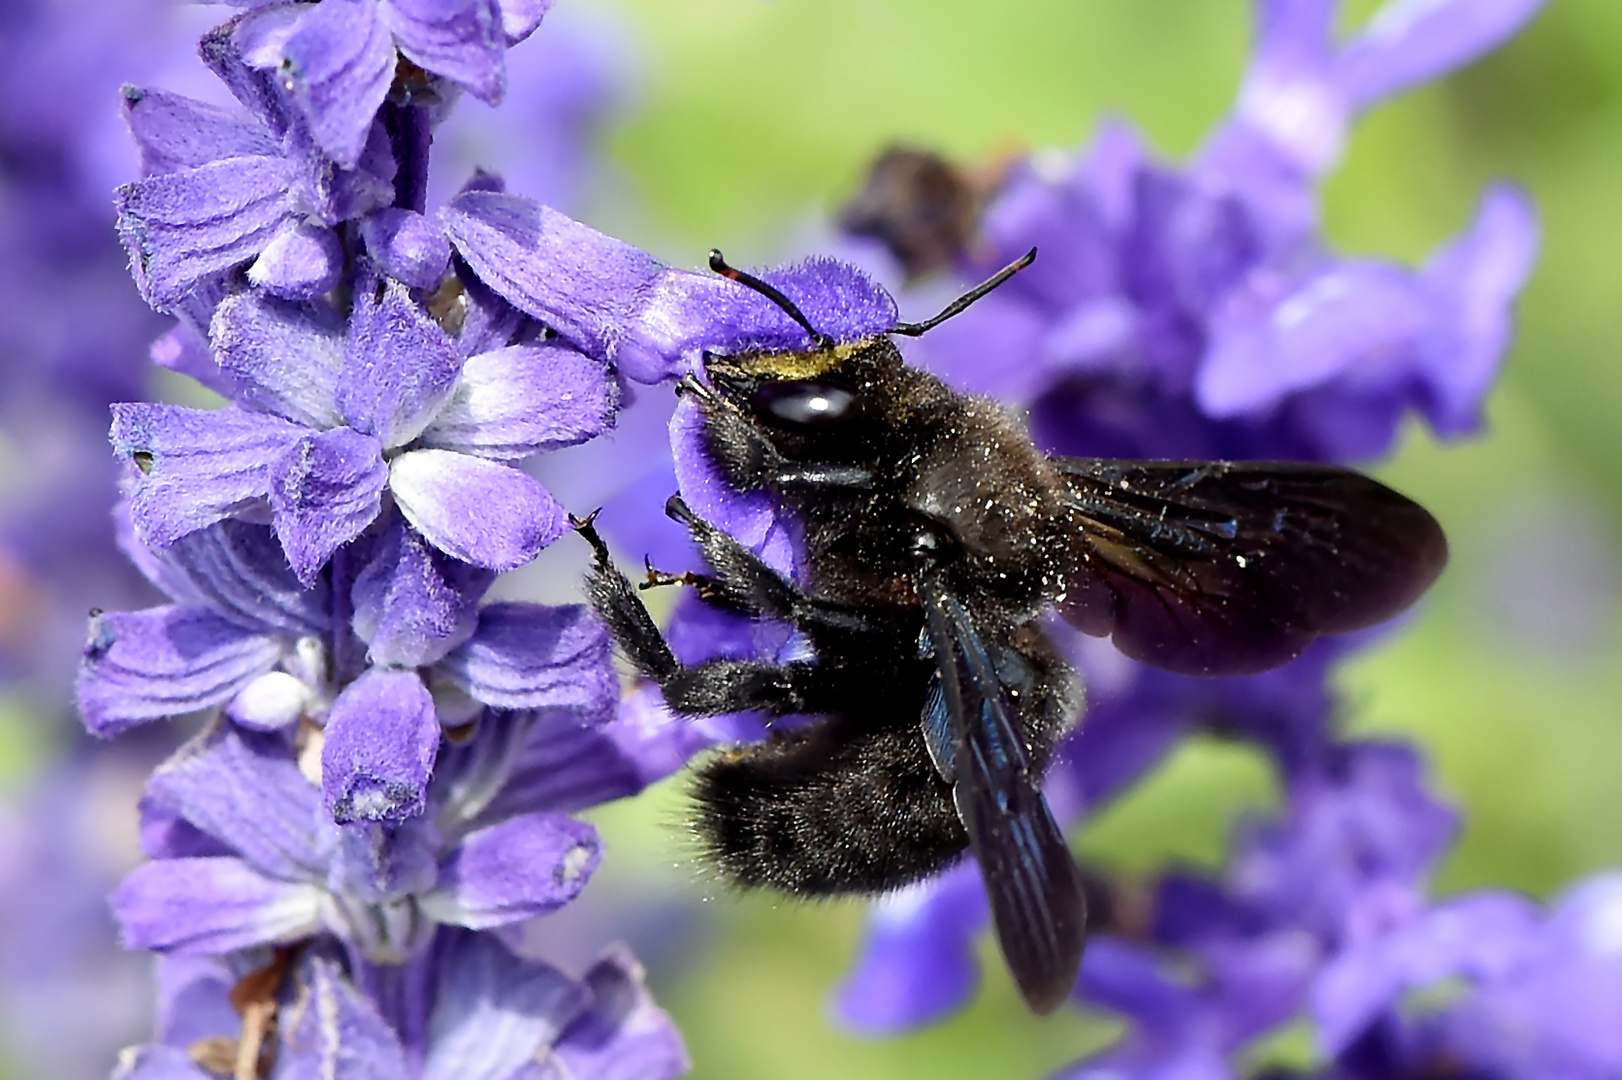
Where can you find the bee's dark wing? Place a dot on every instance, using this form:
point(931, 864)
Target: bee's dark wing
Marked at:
point(1226, 568)
point(1037, 904)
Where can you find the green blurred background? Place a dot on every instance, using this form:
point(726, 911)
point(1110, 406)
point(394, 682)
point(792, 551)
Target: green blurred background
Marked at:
point(756, 117)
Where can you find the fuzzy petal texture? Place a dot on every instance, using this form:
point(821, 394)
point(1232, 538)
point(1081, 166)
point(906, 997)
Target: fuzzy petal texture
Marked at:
point(527, 656)
point(180, 228)
point(338, 63)
point(332, 1031)
point(175, 132)
point(477, 511)
point(150, 665)
point(245, 789)
point(1409, 42)
point(211, 906)
point(197, 466)
point(407, 246)
point(382, 736)
point(377, 863)
point(749, 516)
point(302, 261)
point(623, 1034)
point(513, 870)
point(284, 357)
point(587, 286)
point(523, 400)
point(238, 571)
point(399, 369)
point(463, 40)
point(324, 490)
point(413, 603)
point(494, 1011)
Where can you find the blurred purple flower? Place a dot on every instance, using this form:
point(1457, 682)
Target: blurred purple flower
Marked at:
point(1195, 313)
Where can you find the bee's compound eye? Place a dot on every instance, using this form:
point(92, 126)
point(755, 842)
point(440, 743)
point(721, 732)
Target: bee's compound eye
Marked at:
point(806, 403)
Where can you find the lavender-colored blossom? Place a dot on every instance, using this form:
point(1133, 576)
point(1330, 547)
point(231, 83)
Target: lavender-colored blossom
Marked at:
point(467, 1007)
point(333, 413)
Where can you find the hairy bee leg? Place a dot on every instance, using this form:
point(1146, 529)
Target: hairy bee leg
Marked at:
point(743, 582)
point(703, 689)
point(618, 605)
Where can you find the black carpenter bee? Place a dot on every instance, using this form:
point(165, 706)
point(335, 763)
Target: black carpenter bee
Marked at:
point(936, 534)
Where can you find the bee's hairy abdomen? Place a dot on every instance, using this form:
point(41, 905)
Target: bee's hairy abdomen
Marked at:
point(841, 807)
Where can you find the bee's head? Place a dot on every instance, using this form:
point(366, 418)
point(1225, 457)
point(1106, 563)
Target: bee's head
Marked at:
point(829, 401)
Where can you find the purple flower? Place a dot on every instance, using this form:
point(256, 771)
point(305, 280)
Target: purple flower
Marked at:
point(467, 1007)
point(245, 856)
point(335, 413)
point(1194, 313)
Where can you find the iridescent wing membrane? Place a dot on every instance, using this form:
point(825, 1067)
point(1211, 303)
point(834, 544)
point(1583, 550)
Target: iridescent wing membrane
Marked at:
point(1227, 568)
point(1037, 904)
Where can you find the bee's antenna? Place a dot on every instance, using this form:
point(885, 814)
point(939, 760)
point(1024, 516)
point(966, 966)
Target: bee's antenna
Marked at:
point(719, 265)
point(956, 306)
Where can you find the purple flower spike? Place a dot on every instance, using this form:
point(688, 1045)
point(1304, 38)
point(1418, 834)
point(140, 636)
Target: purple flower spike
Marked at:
point(381, 740)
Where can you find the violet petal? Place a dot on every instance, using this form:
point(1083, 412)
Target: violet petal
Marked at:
point(194, 999)
point(239, 571)
point(512, 870)
point(197, 466)
point(494, 1012)
point(302, 261)
point(750, 516)
point(339, 63)
point(325, 489)
point(1483, 272)
point(1409, 42)
point(332, 1030)
point(376, 863)
point(482, 513)
point(623, 1033)
point(211, 906)
point(1355, 315)
point(527, 656)
point(462, 40)
point(175, 132)
point(180, 228)
point(382, 736)
point(918, 958)
point(246, 789)
point(524, 400)
point(413, 603)
point(409, 247)
point(399, 369)
point(284, 357)
point(586, 286)
point(163, 662)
